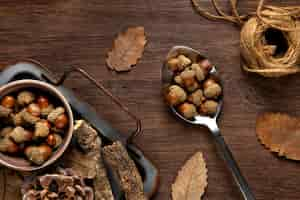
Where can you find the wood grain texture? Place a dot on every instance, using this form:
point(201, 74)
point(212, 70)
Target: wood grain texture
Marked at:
point(64, 33)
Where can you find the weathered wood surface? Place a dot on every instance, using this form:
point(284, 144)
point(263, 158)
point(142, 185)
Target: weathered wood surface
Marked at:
point(64, 33)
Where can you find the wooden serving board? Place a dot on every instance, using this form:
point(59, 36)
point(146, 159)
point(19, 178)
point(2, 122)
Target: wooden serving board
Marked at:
point(33, 70)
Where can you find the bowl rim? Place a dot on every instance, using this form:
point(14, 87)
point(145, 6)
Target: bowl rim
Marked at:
point(29, 83)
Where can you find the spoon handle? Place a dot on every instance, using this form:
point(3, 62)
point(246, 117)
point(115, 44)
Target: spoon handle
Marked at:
point(233, 167)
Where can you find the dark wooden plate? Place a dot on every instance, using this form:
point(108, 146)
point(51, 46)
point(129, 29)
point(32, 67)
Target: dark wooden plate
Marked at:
point(29, 69)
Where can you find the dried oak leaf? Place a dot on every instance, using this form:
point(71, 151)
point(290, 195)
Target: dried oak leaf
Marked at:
point(127, 49)
point(280, 133)
point(191, 180)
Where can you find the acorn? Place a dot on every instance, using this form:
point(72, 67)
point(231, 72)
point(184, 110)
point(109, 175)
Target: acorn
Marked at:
point(8, 101)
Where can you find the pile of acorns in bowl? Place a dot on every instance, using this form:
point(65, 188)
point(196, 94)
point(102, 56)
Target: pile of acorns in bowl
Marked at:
point(31, 126)
point(193, 90)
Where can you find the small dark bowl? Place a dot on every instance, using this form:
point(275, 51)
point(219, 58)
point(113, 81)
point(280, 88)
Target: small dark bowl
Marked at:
point(21, 164)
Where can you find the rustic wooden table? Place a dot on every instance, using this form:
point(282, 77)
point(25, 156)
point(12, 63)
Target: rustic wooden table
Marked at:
point(64, 33)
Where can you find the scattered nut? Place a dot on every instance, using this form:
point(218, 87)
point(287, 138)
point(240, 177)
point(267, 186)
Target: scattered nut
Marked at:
point(25, 98)
point(175, 95)
point(209, 107)
point(188, 110)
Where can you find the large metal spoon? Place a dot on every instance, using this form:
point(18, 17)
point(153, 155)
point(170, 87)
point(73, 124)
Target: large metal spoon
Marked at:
point(209, 122)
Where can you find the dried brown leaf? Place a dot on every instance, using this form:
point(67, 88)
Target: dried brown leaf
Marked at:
point(280, 133)
point(191, 180)
point(127, 49)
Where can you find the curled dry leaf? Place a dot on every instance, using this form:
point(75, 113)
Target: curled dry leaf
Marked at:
point(191, 180)
point(280, 133)
point(127, 49)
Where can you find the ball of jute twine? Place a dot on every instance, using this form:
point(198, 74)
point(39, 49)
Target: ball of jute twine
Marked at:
point(259, 55)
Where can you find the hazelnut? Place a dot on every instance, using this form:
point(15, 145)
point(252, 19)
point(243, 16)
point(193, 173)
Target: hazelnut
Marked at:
point(209, 107)
point(193, 87)
point(196, 97)
point(206, 65)
point(175, 95)
point(46, 111)
point(178, 80)
point(43, 102)
point(199, 72)
point(34, 109)
point(41, 129)
point(183, 61)
point(173, 64)
point(5, 112)
point(55, 113)
point(61, 121)
point(188, 110)
point(188, 77)
point(212, 89)
point(46, 123)
point(8, 102)
point(20, 135)
point(17, 119)
point(6, 131)
point(54, 140)
point(29, 118)
point(25, 98)
point(8, 146)
point(38, 154)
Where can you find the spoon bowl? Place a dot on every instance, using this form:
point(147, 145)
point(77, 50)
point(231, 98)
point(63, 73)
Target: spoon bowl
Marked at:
point(209, 121)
